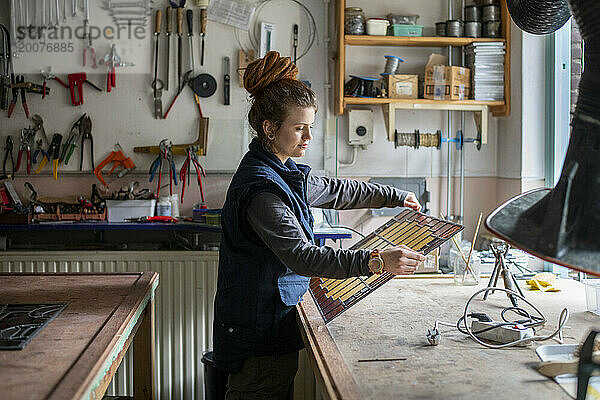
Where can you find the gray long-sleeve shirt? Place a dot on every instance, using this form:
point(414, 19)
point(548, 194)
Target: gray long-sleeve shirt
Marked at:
point(277, 226)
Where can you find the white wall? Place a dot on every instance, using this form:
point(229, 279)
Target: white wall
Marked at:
point(534, 120)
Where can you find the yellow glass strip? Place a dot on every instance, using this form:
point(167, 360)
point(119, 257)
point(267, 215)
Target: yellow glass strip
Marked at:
point(342, 288)
point(393, 239)
point(423, 232)
point(338, 283)
point(351, 293)
point(423, 243)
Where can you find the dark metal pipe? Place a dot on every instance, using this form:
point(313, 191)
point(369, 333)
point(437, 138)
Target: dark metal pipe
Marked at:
point(539, 16)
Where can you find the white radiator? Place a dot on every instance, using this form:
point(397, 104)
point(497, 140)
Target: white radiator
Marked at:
point(184, 312)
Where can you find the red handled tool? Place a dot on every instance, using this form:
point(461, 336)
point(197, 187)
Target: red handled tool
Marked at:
point(19, 85)
point(192, 158)
point(76, 82)
point(112, 60)
point(25, 146)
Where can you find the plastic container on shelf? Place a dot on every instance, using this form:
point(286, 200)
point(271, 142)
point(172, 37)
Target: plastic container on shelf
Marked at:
point(400, 19)
point(163, 207)
point(174, 198)
point(407, 30)
point(119, 210)
point(199, 212)
point(213, 217)
point(377, 26)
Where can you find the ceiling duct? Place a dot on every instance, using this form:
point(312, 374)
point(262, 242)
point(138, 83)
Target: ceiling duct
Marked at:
point(562, 225)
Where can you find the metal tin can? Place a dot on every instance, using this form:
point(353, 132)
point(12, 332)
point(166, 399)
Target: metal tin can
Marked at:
point(473, 29)
point(491, 13)
point(454, 28)
point(440, 28)
point(472, 13)
point(491, 29)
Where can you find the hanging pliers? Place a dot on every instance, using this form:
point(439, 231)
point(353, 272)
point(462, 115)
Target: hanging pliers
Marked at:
point(166, 154)
point(86, 134)
point(19, 85)
point(157, 164)
point(53, 152)
point(39, 127)
point(172, 170)
point(8, 155)
point(39, 149)
point(72, 140)
point(192, 158)
point(25, 146)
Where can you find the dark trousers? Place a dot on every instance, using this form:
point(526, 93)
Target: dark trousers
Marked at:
point(265, 377)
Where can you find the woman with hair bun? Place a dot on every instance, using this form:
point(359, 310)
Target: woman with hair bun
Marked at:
point(267, 252)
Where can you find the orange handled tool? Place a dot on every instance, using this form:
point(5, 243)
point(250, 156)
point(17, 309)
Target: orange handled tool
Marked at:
point(118, 158)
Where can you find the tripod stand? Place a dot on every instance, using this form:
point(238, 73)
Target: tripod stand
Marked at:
point(502, 268)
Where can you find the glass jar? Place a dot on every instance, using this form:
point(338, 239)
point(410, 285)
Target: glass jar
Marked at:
point(354, 21)
point(463, 275)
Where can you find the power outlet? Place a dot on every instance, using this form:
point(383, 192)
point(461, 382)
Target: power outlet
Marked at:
point(360, 127)
point(502, 334)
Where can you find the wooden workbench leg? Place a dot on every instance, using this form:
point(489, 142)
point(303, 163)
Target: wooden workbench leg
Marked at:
point(143, 356)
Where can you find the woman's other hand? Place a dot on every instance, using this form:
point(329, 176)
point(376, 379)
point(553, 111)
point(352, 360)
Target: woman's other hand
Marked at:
point(411, 202)
point(401, 260)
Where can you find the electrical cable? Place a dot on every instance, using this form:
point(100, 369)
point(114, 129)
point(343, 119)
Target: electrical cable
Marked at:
point(253, 37)
point(534, 321)
point(342, 226)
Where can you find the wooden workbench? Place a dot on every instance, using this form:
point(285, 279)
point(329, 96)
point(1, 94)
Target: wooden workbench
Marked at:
point(393, 321)
point(77, 353)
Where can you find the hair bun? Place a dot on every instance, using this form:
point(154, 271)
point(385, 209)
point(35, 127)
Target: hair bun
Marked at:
point(264, 71)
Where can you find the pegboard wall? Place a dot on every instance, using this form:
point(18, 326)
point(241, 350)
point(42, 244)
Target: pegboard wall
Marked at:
point(125, 115)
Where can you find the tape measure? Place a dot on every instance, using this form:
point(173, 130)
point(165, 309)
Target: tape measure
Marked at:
point(204, 85)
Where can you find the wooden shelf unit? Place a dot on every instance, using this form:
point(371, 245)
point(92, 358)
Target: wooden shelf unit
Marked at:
point(413, 41)
point(498, 108)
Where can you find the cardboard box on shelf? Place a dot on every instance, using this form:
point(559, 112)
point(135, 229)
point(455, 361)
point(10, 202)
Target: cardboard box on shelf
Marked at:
point(401, 86)
point(447, 83)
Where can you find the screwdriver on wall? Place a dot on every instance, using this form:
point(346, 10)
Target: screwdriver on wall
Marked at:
point(202, 32)
point(179, 46)
point(295, 41)
point(189, 14)
point(168, 34)
point(156, 86)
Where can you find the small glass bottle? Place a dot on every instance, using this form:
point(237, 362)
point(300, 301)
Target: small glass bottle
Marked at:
point(354, 21)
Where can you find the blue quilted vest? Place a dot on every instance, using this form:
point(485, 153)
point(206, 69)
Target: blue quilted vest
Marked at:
point(255, 311)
